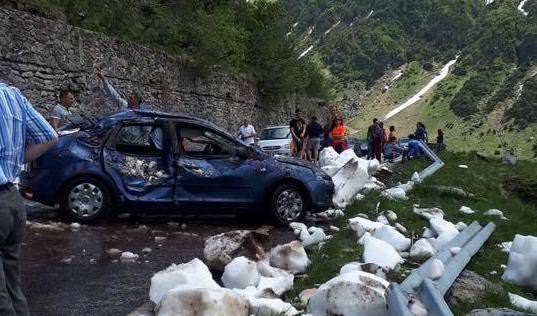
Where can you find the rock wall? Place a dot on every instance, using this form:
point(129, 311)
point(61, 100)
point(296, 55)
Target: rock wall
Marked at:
point(40, 56)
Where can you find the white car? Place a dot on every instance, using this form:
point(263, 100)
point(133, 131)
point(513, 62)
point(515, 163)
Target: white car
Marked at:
point(275, 140)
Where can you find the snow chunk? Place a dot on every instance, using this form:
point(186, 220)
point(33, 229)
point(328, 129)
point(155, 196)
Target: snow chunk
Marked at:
point(522, 264)
point(402, 229)
point(291, 257)
point(428, 213)
point(391, 215)
point(422, 249)
point(393, 237)
point(463, 166)
point(428, 233)
point(466, 210)
point(506, 246)
point(387, 258)
point(350, 267)
point(270, 307)
point(273, 280)
point(434, 269)
point(454, 250)
point(417, 308)
point(495, 212)
point(395, 194)
point(328, 157)
point(240, 273)
point(203, 302)
point(415, 178)
point(362, 225)
point(193, 274)
point(348, 182)
point(461, 226)
point(523, 303)
point(128, 256)
point(382, 219)
point(350, 294)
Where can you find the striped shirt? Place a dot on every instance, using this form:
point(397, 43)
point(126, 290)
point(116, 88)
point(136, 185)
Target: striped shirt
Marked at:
point(20, 125)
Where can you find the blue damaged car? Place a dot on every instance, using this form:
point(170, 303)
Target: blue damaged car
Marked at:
point(151, 162)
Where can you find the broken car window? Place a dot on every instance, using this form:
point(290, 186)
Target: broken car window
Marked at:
point(144, 139)
point(199, 142)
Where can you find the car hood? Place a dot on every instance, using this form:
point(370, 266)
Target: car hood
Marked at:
point(297, 162)
point(273, 142)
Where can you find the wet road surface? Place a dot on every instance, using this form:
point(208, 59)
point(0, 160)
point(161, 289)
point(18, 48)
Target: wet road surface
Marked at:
point(68, 272)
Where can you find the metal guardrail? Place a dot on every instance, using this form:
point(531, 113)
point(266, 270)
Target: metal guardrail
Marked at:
point(431, 293)
point(437, 162)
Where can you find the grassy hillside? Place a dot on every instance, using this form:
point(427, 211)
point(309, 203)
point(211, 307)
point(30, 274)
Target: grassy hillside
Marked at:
point(494, 185)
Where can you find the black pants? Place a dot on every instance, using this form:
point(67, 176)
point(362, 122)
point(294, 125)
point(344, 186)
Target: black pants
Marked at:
point(12, 224)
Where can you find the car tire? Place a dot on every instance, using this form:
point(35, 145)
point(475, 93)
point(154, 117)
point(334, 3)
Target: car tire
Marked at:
point(288, 203)
point(85, 200)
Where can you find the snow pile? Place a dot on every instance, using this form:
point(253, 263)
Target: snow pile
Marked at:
point(142, 168)
point(203, 302)
point(395, 194)
point(393, 237)
point(445, 231)
point(521, 7)
point(273, 280)
point(193, 274)
point(428, 213)
point(240, 273)
point(291, 257)
point(495, 212)
point(350, 294)
point(422, 250)
point(362, 225)
point(388, 258)
point(350, 174)
point(309, 236)
point(270, 307)
point(128, 256)
point(523, 303)
point(434, 269)
point(522, 263)
point(466, 210)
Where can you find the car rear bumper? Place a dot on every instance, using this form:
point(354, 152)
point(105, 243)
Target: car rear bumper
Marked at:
point(321, 193)
point(39, 186)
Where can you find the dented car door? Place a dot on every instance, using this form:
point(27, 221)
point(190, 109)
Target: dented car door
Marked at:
point(138, 157)
point(210, 172)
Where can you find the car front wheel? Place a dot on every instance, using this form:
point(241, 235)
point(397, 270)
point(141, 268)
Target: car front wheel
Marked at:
point(288, 204)
point(85, 200)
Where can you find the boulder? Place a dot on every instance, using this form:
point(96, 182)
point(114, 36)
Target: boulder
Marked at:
point(291, 257)
point(222, 248)
point(203, 302)
point(240, 273)
point(522, 264)
point(183, 276)
point(350, 294)
point(469, 288)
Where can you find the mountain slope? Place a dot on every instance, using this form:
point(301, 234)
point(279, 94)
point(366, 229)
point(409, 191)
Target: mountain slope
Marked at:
point(487, 102)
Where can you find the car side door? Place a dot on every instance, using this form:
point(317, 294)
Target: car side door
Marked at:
point(211, 172)
point(139, 159)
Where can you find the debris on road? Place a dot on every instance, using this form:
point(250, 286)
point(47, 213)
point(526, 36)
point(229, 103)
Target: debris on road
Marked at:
point(47, 226)
point(220, 249)
point(113, 252)
point(128, 256)
point(203, 302)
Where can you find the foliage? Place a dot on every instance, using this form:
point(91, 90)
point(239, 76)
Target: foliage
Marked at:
point(239, 36)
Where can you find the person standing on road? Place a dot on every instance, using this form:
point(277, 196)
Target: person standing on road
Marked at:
point(134, 100)
point(247, 133)
point(338, 133)
point(314, 130)
point(60, 116)
point(24, 136)
point(297, 125)
point(370, 131)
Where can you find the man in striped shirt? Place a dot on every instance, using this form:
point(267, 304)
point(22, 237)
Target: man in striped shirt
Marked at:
point(24, 136)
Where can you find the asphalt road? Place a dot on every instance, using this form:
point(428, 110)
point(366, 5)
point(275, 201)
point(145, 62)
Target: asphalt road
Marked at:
point(68, 272)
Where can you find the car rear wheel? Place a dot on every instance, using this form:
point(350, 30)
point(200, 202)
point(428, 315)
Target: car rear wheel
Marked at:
point(288, 204)
point(85, 200)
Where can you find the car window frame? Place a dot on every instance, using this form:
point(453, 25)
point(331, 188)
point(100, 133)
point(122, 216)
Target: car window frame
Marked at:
point(182, 154)
point(113, 139)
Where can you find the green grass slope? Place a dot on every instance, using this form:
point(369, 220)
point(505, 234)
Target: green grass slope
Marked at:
point(493, 185)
